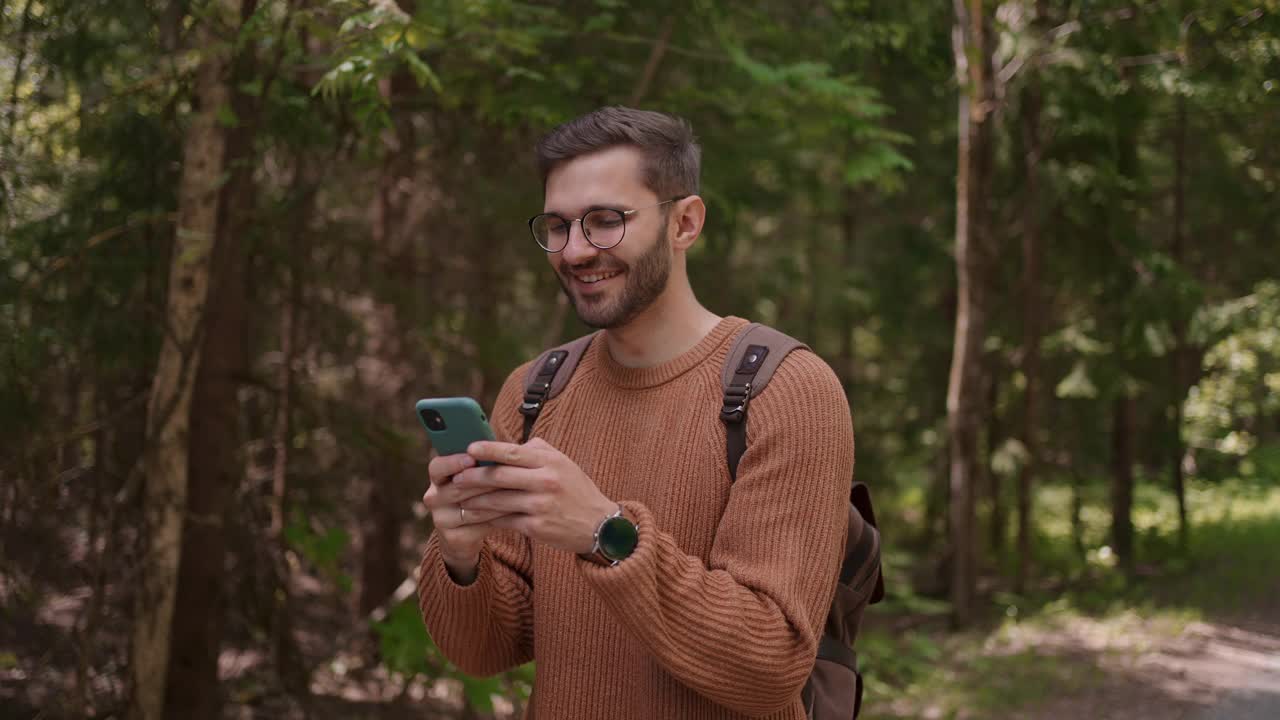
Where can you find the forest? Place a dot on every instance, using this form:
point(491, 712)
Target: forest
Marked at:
point(1037, 240)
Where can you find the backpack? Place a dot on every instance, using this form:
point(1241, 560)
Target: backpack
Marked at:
point(834, 687)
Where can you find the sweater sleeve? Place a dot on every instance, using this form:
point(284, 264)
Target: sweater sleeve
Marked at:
point(743, 628)
point(484, 627)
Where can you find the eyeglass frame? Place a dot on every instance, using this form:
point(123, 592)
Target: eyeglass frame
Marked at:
point(587, 236)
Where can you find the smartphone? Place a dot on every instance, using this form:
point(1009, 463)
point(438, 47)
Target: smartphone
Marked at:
point(454, 423)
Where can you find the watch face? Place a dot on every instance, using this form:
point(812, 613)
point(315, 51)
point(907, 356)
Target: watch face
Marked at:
point(618, 538)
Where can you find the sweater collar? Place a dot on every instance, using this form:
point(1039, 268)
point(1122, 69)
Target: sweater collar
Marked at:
point(646, 377)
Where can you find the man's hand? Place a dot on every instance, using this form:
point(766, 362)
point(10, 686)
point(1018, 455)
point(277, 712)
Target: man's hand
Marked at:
point(461, 533)
point(536, 490)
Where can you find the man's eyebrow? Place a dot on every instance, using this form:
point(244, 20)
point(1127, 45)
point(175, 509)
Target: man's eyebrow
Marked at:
point(589, 208)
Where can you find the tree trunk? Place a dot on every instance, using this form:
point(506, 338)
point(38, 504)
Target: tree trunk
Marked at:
point(214, 467)
point(380, 567)
point(1077, 512)
point(286, 654)
point(997, 528)
point(813, 263)
point(1032, 325)
point(937, 517)
point(937, 514)
point(1127, 112)
point(1180, 353)
point(1122, 480)
point(387, 502)
point(848, 231)
point(964, 391)
point(168, 411)
point(213, 473)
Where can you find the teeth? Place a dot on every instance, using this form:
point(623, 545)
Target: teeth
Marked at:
point(595, 278)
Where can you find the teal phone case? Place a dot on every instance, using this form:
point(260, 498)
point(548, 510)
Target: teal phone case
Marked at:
point(463, 423)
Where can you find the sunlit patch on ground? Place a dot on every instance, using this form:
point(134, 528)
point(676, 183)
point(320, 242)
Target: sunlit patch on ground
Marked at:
point(1198, 641)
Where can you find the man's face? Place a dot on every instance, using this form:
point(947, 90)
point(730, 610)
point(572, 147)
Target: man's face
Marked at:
point(609, 288)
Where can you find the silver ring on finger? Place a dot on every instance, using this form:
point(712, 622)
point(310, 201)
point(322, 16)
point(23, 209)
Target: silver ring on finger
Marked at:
point(462, 515)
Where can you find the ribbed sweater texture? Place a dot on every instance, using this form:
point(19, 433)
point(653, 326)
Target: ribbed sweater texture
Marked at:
point(718, 612)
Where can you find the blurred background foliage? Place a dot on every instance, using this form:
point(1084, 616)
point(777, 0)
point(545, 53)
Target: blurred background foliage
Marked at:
point(372, 181)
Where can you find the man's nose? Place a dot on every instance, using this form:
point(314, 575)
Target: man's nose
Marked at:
point(578, 249)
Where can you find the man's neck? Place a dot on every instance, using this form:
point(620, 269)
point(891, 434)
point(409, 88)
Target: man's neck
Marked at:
point(675, 322)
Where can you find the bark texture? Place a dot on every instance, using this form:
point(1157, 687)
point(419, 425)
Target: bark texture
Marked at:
point(964, 390)
point(169, 405)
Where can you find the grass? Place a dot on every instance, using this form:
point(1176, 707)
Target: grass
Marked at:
point(1058, 640)
point(962, 674)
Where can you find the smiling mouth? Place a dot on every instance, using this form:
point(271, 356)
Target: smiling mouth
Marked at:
point(593, 278)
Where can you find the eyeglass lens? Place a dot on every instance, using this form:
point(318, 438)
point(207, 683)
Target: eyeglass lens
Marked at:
point(603, 227)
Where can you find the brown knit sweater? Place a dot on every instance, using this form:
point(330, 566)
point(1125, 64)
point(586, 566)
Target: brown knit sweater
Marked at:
point(718, 612)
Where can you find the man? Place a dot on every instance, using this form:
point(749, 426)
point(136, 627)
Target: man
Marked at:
point(711, 601)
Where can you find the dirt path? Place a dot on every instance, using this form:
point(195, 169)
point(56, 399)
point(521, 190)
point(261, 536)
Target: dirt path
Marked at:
point(1203, 671)
point(1247, 665)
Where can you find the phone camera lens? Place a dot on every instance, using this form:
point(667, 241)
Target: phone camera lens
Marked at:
point(433, 420)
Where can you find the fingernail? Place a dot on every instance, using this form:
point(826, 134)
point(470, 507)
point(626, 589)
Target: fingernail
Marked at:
point(468, 461)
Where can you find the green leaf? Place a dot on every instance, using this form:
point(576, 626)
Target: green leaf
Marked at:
point(1077, 384)
point(480, 691)
point(422, 72)
point(515, 71)
point(1011, 456)
point(227, 117)
point(322, 549)
point(877, 161)
point(599, 23)
point(403, 640)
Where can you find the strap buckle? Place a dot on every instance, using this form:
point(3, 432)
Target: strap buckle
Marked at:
point(532, 404)
point(736, 399)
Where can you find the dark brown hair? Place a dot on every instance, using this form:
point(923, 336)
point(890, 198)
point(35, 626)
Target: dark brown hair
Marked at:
point(672, 158)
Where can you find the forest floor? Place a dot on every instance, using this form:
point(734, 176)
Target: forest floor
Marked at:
point(1195, 636)
point(1125, 665)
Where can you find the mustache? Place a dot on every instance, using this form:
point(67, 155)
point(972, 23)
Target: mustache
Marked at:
point(595, 266)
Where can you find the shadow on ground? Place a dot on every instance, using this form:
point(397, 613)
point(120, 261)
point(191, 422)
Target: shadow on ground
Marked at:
point(1201, 643)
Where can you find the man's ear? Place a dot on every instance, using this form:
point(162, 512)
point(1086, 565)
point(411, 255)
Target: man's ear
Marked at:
point(688, 215)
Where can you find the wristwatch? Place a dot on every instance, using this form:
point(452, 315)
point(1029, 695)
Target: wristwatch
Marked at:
point(614, 539)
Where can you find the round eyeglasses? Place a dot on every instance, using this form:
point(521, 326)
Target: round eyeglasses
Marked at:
point(603, 227)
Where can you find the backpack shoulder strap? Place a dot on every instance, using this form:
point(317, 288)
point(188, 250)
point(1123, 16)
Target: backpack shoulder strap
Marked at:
point(755, 355)
point(867, 546)
point(548, 376)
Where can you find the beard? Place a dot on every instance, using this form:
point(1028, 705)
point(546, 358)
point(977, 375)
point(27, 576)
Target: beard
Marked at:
point(646, 280)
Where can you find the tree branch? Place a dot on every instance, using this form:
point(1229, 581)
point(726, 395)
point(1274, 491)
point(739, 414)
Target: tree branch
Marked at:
point(95, 240)
point(655, 59)
point(673, 49)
